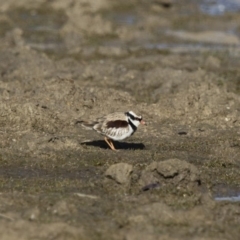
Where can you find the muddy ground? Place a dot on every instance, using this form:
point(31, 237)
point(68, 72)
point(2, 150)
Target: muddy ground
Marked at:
point(175, 64)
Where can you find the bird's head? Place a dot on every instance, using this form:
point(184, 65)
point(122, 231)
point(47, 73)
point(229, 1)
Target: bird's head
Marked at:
point(134, 118)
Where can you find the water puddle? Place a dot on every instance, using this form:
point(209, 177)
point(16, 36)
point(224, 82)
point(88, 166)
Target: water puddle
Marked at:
point(228, 199)
point(226, 193)
point(219, 7)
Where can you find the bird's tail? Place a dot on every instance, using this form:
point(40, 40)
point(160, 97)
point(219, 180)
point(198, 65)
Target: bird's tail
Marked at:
point(87, 125)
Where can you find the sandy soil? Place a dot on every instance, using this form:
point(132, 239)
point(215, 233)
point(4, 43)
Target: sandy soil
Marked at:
point(169, 62)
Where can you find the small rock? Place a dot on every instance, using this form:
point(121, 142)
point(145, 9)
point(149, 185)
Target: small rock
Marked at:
point(61, 208)
point(32, 214)
point(120, 172)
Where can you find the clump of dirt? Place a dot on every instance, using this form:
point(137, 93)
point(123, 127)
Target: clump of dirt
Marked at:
point(171, 171)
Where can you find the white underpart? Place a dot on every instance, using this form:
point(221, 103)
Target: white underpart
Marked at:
point(122, 133)
point(118, 133)
point(135, 122)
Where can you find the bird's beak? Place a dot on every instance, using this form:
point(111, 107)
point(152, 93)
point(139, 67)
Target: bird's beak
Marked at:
point(142, 122)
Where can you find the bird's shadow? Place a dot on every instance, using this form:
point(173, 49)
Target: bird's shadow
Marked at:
point(118, 145)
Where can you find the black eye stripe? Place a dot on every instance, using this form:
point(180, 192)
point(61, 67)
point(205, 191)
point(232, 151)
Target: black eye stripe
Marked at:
point(133, 117)
point(138, 119)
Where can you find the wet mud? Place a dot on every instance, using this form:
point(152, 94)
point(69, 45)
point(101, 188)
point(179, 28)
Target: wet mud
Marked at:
point(176, 63)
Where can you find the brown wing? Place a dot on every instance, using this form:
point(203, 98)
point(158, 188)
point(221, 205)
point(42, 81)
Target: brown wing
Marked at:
point(109, 123)
point(117, 124)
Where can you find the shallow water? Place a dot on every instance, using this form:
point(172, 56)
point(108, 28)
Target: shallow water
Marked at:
point(227, 193)
point(219, 7)
point(228, 199)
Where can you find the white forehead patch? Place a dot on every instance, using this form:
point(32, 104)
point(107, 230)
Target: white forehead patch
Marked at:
point(134, 114)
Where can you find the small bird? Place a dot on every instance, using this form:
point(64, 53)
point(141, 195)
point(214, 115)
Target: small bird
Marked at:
point(115, 126)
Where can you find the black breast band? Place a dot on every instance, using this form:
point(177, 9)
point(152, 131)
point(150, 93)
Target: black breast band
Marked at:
point(134, 128)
